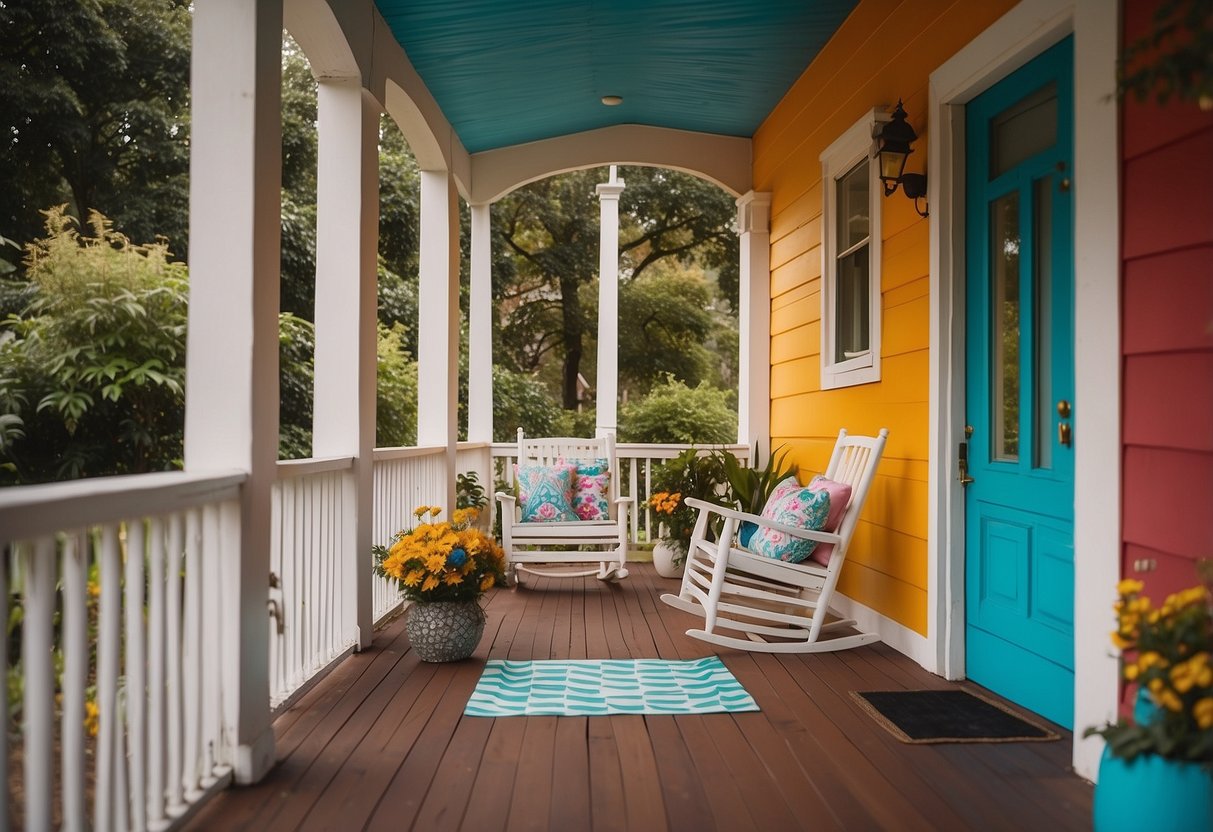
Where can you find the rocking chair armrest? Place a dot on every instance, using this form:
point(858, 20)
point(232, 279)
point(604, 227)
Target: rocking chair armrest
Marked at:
point(757, 520)
point(621, 500)
point(503, 497)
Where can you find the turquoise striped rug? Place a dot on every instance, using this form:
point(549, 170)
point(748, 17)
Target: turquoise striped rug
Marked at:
point(610, 686)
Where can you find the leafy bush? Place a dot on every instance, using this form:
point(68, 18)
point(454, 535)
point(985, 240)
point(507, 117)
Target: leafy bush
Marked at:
point(92, 371)
point(396, 391)
point(673, 412)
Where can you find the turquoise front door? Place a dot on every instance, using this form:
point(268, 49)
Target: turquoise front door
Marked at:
point(1020, 410)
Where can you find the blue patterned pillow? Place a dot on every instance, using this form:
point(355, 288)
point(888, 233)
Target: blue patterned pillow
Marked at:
point(546, 492)
point(791, 505)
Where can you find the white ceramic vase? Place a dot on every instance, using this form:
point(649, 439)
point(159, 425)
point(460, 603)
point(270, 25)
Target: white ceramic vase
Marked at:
point(664, 555)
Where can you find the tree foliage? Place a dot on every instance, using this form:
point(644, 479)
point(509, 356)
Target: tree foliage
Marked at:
point(674, 412)
point(94, 105)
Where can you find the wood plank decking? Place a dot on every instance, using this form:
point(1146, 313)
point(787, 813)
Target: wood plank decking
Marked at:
point(382, 742)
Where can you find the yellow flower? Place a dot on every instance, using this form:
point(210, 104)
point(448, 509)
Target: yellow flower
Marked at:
point(1203, 712)
point(92, 718)
point(413, 578)
point(420, 510)
point(1129, 587)
point(436, 562)
point(94, 589)
point(1120, 641)
point(486, 582)
point(1168, 700)
point(435, 511)
point(1156, 686)
point(431, 582)
point(1131, 671)
point(452, 578)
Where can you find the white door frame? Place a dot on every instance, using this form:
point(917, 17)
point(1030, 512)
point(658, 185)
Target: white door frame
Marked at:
point(1014, 39)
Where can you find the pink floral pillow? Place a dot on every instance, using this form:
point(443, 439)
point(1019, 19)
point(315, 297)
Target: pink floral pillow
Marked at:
point(592, 490)
point(545, 492)
point(840, 498)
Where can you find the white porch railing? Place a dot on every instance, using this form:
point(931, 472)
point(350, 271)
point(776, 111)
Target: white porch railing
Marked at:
point(312, 629)
point(404, 479)
point(134, 565)
point(636, 461)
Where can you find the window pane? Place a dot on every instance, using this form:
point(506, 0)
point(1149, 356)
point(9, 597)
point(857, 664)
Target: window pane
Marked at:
point(1042, 291)
point(851, 313)
point(853, 207)
point(1004, 272)
point(1023, 130)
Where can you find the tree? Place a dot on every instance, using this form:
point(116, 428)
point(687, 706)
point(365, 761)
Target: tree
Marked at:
point(551, 227)
point(94, 105)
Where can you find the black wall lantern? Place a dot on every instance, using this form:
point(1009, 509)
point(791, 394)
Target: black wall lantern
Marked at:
point(896, 136)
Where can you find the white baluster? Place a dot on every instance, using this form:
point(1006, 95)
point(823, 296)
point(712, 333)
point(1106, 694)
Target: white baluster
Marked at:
point(38, 707)
point(211, 658)
point(155, 672)
point(136, 670)
point(191, 651)
point(173, 621)
point(75, 678)
point(108, 648)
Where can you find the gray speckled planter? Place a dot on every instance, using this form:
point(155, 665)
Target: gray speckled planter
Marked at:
point(444, 631)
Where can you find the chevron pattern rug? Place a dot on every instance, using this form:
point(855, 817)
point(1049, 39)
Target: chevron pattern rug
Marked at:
point(602, 687)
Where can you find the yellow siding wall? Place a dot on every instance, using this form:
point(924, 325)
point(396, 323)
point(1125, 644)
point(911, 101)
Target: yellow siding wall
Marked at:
point(884, 51)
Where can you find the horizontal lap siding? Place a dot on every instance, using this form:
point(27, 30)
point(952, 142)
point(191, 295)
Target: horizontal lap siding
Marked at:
point(884, 51)
point(1167, 336)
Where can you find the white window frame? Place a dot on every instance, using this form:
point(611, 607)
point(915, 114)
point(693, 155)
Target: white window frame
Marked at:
point(848, 150)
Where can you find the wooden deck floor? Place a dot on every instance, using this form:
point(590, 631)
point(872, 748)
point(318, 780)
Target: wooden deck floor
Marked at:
point(382, 743)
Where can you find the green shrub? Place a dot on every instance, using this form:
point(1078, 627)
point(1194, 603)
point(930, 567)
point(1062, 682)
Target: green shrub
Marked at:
point(673, 412)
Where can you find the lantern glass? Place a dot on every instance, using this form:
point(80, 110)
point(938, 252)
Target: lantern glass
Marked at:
point(892, 163)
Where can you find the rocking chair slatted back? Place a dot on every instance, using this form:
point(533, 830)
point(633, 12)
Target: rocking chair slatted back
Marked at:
point(552, 547)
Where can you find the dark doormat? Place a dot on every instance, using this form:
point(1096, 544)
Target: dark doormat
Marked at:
point(926, 716)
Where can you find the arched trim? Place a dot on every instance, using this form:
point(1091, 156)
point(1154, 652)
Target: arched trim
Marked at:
point(312, 24)
point(723, 160)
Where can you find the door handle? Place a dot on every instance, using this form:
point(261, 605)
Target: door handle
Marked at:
point(1065, 434)
point(962, 462)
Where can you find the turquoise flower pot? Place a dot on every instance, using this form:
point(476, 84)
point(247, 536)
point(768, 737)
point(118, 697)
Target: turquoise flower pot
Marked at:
point(1152, 793)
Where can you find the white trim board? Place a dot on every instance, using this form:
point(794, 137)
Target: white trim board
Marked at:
point(1013, 40)
point(898, 636)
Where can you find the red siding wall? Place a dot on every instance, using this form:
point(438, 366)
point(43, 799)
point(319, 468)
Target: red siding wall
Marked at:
point(1167, 328)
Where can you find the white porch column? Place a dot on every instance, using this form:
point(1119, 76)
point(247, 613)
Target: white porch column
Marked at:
point(480, 329)
point(347, 239)
point(754, 317)
point(606, 400)
point(438, 323)
point(231, 414)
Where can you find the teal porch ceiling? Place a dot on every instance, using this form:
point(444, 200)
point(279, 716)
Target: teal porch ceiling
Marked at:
point(505, 73)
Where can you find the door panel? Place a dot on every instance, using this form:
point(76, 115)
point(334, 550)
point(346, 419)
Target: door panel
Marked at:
point(1019, 564)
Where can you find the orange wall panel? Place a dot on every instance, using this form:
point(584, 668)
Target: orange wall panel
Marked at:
point(885, 50)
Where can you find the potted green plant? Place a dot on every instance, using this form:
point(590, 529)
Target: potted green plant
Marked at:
point(749, 487)
point(689, 474)
point(1165, 750)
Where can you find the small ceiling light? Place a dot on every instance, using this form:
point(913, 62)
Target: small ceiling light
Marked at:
point(896, 137)
point(612, 100)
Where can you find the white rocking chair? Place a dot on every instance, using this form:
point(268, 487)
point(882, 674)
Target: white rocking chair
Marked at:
point(554, 545)
point(763, 598)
